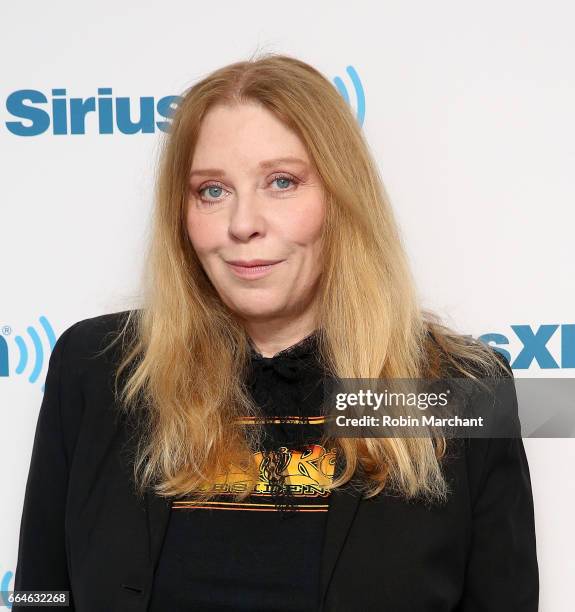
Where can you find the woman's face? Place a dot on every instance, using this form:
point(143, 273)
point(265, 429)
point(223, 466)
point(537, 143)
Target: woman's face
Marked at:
point(248, 201)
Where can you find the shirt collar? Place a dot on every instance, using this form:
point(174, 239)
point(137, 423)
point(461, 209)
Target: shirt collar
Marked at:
point(305, 346)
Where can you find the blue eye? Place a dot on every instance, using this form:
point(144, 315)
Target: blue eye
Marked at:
point(214, 191)
point(214, 195)
point(285, 180)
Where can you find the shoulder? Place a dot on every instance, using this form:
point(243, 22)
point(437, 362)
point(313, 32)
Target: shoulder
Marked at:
point(481, 455)
point(455, 355)
point(499, 459)
point(97, 329)
point(79, 380)
point(87, 347)
point(89, 336)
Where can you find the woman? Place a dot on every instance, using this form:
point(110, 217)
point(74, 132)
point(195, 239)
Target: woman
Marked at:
point(180, 461)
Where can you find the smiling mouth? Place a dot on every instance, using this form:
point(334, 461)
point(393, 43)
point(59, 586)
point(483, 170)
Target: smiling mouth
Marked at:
point(253, 262)
point(253, 270)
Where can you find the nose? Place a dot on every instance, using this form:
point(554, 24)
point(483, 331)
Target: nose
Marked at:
point(246, 218)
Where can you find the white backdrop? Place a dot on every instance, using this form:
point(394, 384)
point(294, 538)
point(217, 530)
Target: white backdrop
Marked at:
point(468, 111)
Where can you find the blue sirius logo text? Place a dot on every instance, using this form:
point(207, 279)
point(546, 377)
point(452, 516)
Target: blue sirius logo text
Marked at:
point(57, 113)
point(535, 346)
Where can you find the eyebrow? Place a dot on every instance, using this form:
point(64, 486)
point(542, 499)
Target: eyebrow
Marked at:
point(264, 164)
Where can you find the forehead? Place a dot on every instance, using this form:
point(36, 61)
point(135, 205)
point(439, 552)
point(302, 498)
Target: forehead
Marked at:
point(247, 134)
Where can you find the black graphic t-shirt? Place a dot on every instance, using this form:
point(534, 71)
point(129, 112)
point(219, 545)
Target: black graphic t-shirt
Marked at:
point(262, 554)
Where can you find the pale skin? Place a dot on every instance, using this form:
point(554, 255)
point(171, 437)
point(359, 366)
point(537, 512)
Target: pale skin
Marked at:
point(245, 204)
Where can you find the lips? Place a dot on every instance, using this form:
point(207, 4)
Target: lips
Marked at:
point(254, 268)
point(253, 262)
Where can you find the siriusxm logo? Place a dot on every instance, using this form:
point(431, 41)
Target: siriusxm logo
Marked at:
point(26, 361)
point(36, 113)
point(359, 93)
point(534, 346)
point(70, 115)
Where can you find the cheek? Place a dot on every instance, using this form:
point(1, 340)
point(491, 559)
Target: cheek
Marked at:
point(304, 224)
point(316, 219)
point(203, 234)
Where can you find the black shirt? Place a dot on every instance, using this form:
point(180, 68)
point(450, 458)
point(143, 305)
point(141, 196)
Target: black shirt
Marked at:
point(262, 554)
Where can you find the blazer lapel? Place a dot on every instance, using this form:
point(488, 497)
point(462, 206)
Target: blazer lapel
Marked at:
point(343, 506)
point(158, 509)
point(138, 575)
point(158, 516)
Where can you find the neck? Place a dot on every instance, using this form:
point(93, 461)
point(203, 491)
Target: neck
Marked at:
point(271, 337)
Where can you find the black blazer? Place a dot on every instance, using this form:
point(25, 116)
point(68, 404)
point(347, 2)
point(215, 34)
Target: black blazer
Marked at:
point(83, 529)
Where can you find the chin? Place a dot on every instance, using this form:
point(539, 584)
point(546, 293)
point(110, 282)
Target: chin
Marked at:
point(256, 311)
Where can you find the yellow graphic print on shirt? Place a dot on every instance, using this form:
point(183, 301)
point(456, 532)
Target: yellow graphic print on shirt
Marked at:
point(307, 472)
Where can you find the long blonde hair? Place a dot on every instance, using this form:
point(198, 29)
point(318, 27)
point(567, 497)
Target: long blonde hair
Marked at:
point(185, 354)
